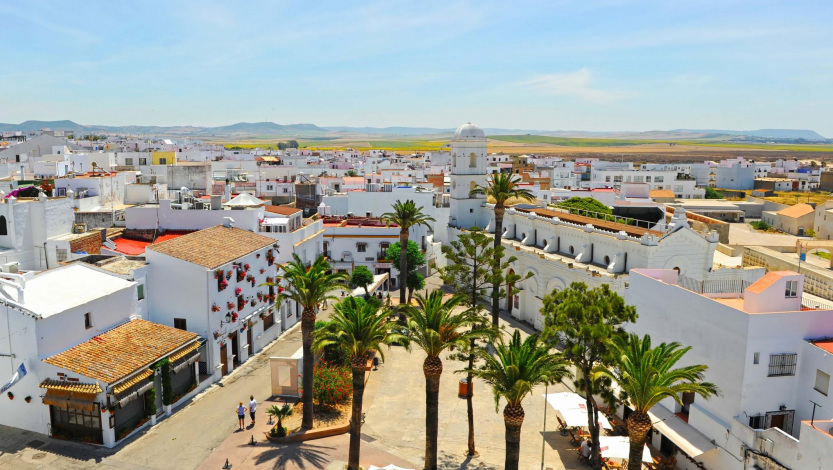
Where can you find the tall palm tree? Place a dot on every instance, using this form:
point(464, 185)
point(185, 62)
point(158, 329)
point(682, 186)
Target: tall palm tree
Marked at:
point(360, 328)
point(647, 376)
point(434, 327)
point(405, 215)
point(501, 187)
point(309, 286)
point(515, 369)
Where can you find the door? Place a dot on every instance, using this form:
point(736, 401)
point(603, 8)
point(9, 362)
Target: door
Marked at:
point(250, 340)
point(235, 348)
point(224, 358)
point(778, 421)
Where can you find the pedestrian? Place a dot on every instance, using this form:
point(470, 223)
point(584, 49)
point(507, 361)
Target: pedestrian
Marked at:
point(241, 415)
point(252, 408)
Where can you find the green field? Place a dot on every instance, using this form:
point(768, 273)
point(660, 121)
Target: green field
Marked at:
point(583, 142)
point(363, 145)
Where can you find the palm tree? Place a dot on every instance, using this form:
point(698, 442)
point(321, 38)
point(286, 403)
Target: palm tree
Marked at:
point(435, 327)
point(360, 328)
point(309, 286)
point(405, 215)
point(501, 187)
point(280, 412)
point(515, 369)
point(646, 377)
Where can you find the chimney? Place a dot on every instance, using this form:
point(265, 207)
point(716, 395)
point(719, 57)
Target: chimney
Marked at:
point(227, 191)
point(216, 202)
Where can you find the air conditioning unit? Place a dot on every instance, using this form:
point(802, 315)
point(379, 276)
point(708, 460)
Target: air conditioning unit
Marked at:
point(13, 267)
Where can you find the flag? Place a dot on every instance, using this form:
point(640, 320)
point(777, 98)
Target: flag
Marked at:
point(19, 374)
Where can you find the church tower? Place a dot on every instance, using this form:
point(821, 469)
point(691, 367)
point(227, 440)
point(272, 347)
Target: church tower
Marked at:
point(468, 168)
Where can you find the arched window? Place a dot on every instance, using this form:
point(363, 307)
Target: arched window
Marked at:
point(3, 229)
point(472, 160)
point(472, 185)
point(454, 159)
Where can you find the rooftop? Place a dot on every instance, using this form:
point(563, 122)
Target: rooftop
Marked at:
point(600, 224)
point(796, 211)
point(119, 352)
point(133, 247)
point(214, 246)
point(282, 210)
point(59, 289)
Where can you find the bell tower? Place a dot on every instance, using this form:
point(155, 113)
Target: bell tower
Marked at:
point(469, 164)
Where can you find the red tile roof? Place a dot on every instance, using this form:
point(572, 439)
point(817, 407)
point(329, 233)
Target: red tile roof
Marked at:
point(214, 246)
point(771, 278)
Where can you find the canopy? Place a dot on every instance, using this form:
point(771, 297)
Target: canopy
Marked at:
point(691, 441)
point(619, 447)
point(576, 417)
point(564, 400)
point(389, 467)
point(245, 200)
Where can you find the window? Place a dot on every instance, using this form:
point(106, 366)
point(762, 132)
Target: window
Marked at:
point(285, 190)
point(163, 161)
point(88, 322)
point(637, 179)
point(3, 229)
point(756, 358)
point(756, 422)
point(180, 324)
point(617, 179)
point(268, 187)
point(781, 365)
point(269, 320)
point(472, 160)
point(607, 179)
point(659, 179)
point(128, 161)
point(140, 290)
point(822, 382)
point(62, 254)
point(361, 247)
point(143, 161)
point(647, 179)
point(791, 289)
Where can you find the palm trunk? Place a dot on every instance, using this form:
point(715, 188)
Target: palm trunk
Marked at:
point(499, 211)
point(639, 425)
point(307, 327)
point(513, 418)
point(469, 401)
point(432, 368)
point(356, 418)
point(403, 265)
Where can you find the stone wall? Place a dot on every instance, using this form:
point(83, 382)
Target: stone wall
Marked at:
point(90, 243)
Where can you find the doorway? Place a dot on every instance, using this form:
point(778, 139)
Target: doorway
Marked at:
point(235, 349)
point(782, 420)
point(224, 358)
point(250, 340)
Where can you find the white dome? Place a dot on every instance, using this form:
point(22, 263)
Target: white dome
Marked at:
point(469, 131)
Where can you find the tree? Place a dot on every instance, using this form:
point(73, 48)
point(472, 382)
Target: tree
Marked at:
point(586, 322)
point(281, 145)
point(405, 215)
point(647, 376)
point(515, 369)
point(501, 187)
point(308, 287)
point(469, 273)
point(711, 193)
point(279, 413)
point(434, 327)
point(361, 328)
point(585, 206)
point(361, 277)
point(351, 173)
point(293, 144)
point(414, 281)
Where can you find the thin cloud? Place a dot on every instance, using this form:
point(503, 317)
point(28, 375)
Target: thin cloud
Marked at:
point(577, 84)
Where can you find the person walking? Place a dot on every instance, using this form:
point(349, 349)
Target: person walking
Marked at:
point(241, 415)
point(252, 408)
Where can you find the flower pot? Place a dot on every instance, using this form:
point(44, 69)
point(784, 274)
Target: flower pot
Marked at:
point(153, 420)
point(167, 410)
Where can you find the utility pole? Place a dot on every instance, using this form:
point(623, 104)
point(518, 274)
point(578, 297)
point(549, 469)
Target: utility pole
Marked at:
point(544, 430)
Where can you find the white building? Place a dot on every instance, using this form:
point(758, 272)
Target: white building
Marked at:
point(77, 332)
point(210, 282)
point(468, 169)
point(763, 352)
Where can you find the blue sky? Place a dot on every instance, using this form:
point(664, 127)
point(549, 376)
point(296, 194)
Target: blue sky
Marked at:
point(557, 65)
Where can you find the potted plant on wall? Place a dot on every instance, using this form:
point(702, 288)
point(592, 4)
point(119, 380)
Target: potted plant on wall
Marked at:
point(10, 395)
point(28, 399)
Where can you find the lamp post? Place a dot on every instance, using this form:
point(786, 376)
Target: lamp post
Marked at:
point(544, 430)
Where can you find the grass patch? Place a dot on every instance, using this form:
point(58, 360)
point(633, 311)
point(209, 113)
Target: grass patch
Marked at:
point(822, 254)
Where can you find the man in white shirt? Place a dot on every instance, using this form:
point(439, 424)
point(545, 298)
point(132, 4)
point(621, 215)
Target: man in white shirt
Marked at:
point(252, 408)
point(585, 448)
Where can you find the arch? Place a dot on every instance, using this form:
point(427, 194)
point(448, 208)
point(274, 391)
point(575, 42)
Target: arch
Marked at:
point(4, 230)
point(472, 185)
point(678, 263)
point(472, 160)
point(572, 250)
point(510, 291)
point(607, 260)
point(555, 284)
point(454, 159)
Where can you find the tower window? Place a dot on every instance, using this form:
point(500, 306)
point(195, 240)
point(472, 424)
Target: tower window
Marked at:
point(472, 160)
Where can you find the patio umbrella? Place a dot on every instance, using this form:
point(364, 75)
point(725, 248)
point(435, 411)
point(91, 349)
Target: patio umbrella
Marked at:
point(577, 417)
point(564, 400)
point(619, 447)
point(389, 467)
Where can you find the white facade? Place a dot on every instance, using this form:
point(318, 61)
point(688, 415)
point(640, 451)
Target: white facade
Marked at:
point(756, 342)
point(468, 170)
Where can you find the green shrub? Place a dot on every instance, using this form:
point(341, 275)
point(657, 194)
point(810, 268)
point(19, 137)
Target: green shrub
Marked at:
point(150, 400)
point(759, 225)
point(332, 383)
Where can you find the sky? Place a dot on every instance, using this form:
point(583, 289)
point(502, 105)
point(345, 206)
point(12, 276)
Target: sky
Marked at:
point(613, 65)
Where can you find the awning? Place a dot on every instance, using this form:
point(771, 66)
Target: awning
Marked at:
point(75, 400)
point(619, 447)
point(269, 159)
point(576, 418)
point(184, 351)
point(127, 384)
point(686, 437)
point(378, 280)
point(78, 387)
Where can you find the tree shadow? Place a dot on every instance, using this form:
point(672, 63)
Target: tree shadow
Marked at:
point(446, 460)
point(299, 455)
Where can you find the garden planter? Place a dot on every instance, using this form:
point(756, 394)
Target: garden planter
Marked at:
point(153, 420)
point(167, 409)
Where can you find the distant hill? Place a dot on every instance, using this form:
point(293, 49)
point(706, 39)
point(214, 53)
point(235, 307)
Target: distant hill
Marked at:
point(271, 129)
point(763, 133)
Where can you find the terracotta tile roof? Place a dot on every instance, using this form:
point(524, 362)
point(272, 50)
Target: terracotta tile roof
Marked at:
point(77, 387)
point(214, 246)
point(132, 381)
point(827, 345)
point(661, 193)
point(282, 210)
point(796, 211)
point(113, 355)
point(771, 278)
point(598, 223)
point(184, 352)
